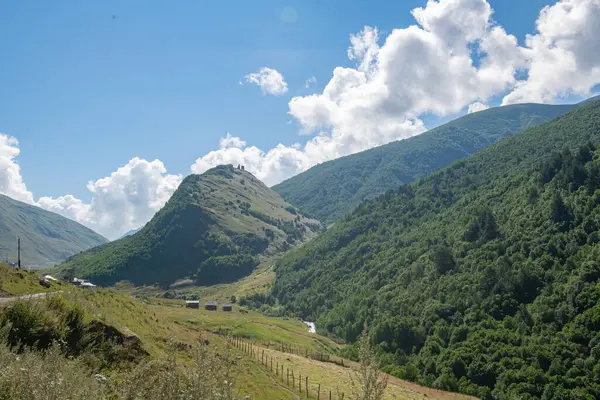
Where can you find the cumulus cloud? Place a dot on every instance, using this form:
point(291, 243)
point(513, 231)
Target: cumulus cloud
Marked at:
point(477, 106)
point(11, 181)
point(269, 80)
point(125, 200)
point(424, 68)
point(562, 57)
point(454, 57)
point(310, 82)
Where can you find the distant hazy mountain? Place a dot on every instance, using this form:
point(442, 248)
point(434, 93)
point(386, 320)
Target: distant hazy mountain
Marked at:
point(214, 228)
point(46, 237)
point(329, 190)
point(131, 232)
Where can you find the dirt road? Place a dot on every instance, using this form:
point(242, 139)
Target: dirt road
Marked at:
point(7, 300)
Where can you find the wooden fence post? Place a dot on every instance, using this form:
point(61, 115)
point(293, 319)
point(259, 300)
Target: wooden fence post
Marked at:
point(300, 382)
point(319, 392)
point(293, 380)
point(277, 369)
point(288, 376)
point(307, 387)
point(330, 395)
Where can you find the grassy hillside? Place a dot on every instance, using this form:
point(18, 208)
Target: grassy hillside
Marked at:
point(15, 281)
point(215, 228)
point(329, 190)
point(482, 277)
point(149, 347)
point(46, 238)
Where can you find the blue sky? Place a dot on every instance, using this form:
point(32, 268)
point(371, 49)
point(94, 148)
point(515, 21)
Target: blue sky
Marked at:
point(84, 92)
point(86, 86)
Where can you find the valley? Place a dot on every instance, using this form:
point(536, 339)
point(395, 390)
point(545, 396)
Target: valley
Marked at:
point(478, 280)
point(163, 326)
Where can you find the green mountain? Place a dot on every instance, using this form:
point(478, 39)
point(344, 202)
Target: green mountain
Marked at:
point(329, 190)
point(46, 238)
point(215, 228)
point(483, 277)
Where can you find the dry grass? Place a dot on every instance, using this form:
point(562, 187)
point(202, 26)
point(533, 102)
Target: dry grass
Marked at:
point(49, 375)
point(338, 379)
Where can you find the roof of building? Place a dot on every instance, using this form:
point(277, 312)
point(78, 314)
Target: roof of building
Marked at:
point(211, 303)
point(192, 301)
point(227, 305)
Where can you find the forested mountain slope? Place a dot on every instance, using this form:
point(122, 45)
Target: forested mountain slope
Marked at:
point(329, 190)
point(483, 277)
point(46, 237)
point(214, 228)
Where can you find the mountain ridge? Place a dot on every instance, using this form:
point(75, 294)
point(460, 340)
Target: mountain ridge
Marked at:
point(482, 277)
point(46, 237)
point(330, 189)
point(215, 228)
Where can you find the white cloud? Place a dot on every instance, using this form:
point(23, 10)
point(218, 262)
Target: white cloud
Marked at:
point(125, 200)
point(562, 57)
point(418, 69)
point(454, 57)
point(11, 181)
point(269, 80)
point(477, 106)
point(310, 82)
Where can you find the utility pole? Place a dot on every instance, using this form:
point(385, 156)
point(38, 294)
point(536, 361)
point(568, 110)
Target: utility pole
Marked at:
point(19, 252)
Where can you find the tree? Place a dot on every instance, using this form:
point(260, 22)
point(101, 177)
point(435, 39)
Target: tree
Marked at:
point(443, 259)
point(483, 229)
point(559, 211)
point(368, 383)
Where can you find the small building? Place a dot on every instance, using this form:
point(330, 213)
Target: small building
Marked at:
point(82, 283)
point(210, 305)
point(192, 304)
point(227, 307)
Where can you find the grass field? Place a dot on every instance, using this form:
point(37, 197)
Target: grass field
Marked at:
point(15, 281)
point(251, 325)
point(259, 281)
point(325, 378)
point(265, 333)
point(159, 323)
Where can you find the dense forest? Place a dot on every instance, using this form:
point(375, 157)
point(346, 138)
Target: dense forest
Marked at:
point(214, 229)
point(482, 278)
point(331, 189)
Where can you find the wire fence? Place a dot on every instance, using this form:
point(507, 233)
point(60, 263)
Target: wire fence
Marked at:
point(302, 351)
point(293, 379)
